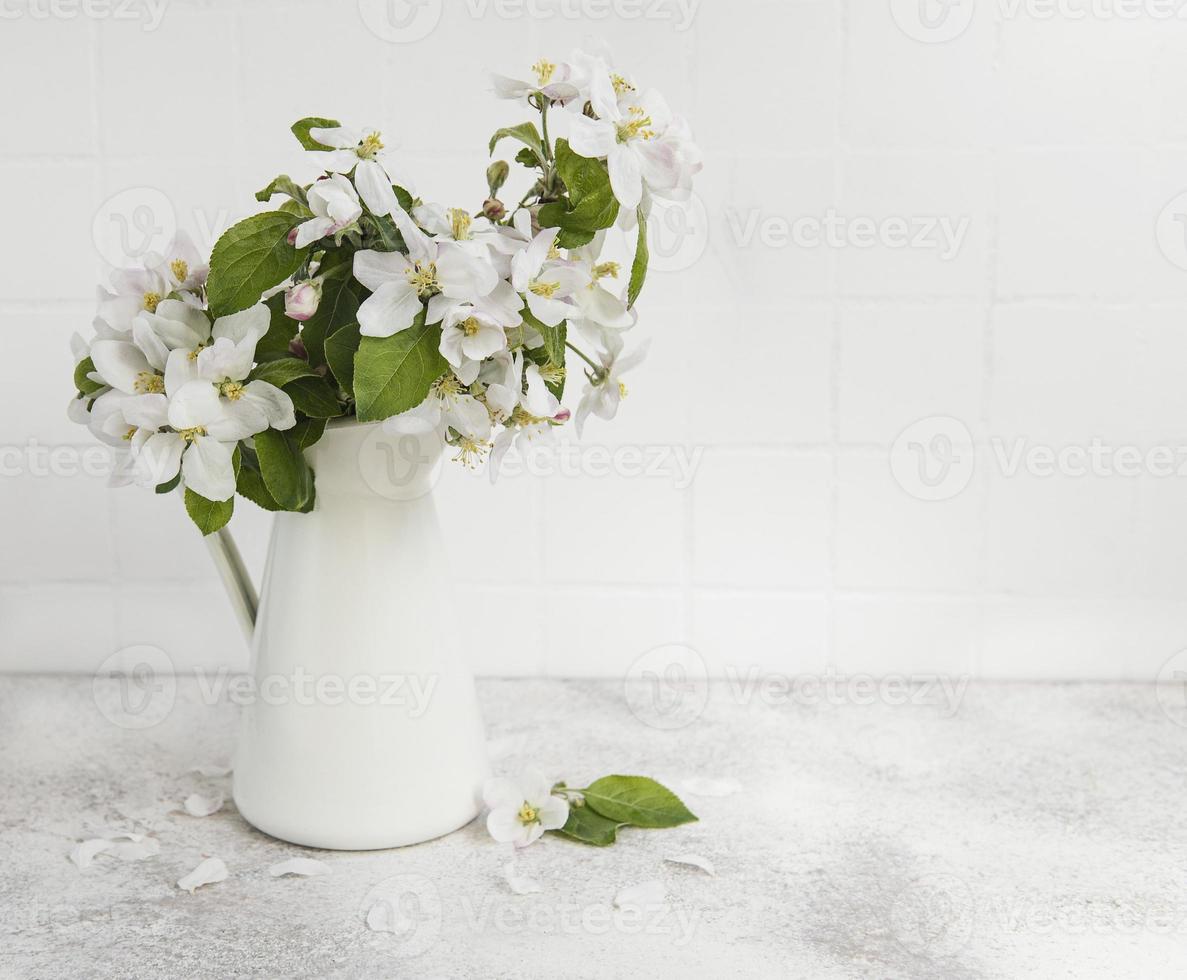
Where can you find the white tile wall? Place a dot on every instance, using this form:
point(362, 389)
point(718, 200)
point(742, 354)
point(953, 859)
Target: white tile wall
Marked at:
point(786, 367)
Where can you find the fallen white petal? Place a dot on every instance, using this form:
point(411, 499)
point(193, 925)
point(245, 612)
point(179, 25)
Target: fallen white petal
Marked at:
point(699, 786)
point(695, 861)
point(136, 850)
point(203, 806)
point(84, 854)
point(520, 884)
point(299, 866)
point(647, 894)
point(212, 772)
point(206, 873)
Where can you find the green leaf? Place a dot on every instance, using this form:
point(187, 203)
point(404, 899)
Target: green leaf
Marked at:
point(339, 306)
point(209, 515)
point(307, 432)
point(250, 258)
point(553, 350)
point(393, 374)
point(314, 397)
point(526, 133)
point(589, 827)
point(287, 476)
point(284, 184)
point(84, 384)
point(639, 265)
point(301, 130)
point(636, 800)
point(251, 485)
point(341, 346)
point(591, 204)
point(170, 486)
point(282, 371)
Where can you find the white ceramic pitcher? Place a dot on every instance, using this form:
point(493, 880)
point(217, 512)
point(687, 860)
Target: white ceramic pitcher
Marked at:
point(364, 730)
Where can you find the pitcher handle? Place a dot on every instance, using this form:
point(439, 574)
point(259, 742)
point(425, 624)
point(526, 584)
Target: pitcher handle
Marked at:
point(236, 580)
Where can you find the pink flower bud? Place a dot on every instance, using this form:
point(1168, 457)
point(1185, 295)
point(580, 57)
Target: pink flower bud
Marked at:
point(301, 300)
point(562, 416)
point(292, 237)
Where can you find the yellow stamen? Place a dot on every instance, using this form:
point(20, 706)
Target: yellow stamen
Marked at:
point(448, 387)
point(370, 145)
point(637, 128)
point(604, 269)
point(470, 454)
point(180, 269)
point(544, 71)
point(621, 85)
point(189, 435)
point(470, 326)
point(196, 351)
point(127, 437)
point(552, 374)
point(545, 289)
point(151, 300)
point(527, 813)
point(231, 389)
point(554, 253)
point(459, 224)
point(424, 278)
point(622, 392)
point(522, 417)
point(149, 383)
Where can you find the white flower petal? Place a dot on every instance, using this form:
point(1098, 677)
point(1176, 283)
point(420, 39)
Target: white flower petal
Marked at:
point(83, 855)
point(197, 805)
point(520, 884)
point(646, 894)
point(194, 405)
point(626, 179)
point(388, 310)
point(207, 873)
point(553, 813)
point(375, 188)
point(252, 322)
point(591, 137)
point(135, 850)
point(120, 364)
point(693, 861)
point(373, 269)
point(504, 825)
point(303, 867)
point(159, 459)
point(208, 470)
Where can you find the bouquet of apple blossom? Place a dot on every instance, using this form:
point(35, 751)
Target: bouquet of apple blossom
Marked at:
point(354, 297)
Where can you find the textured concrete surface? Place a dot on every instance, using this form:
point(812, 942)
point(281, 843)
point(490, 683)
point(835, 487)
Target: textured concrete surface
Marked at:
point(1038, 830)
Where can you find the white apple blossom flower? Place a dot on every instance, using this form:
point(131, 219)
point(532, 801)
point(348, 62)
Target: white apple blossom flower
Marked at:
point(536, 413)
point(182, 265)
point(601, 311)
point(522, 809)
point(559, 82)
point(630, 132)
point(131, 291)
point(543, 279)
point(606, 389)
point(335, 205)
point(449, 405)
point(468, 335)
point(441, 273)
